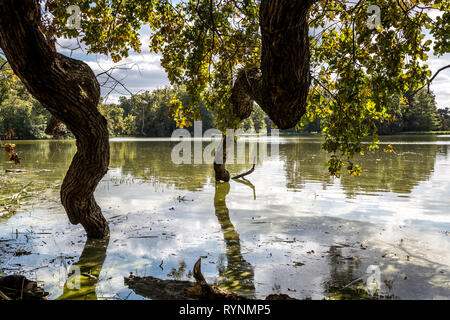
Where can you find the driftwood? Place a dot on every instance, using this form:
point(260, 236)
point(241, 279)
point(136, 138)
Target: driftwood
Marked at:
point(279, 296)
point(158, 289)
point(17, 287)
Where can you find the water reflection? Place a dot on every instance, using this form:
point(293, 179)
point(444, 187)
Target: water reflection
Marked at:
point(397, 172)
point(238, 276)
point(401, 199)
point(151, 161)
point(82, 284)
point(303, 161)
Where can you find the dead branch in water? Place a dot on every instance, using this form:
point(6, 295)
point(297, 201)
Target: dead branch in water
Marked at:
point(245, 173)
point(159, 289)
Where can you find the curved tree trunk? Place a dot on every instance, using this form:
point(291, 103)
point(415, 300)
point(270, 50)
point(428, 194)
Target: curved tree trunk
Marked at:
point(70, 91)
point(285, 64)
point(281, 83)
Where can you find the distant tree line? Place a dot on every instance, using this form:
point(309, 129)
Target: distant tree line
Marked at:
point(18, 109)
point(149, 114)
point(153, 114)
point(418, 113)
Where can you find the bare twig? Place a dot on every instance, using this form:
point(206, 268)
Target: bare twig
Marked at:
point(429, 82)
point(3, 64)
point(112, 82)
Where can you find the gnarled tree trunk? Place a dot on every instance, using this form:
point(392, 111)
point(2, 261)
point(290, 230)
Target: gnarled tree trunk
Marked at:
point(281, 83)
point(70, 91)
point(285, 64)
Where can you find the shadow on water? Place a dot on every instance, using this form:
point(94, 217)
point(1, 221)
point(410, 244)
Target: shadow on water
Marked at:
point(83, 275)
point(238, 276)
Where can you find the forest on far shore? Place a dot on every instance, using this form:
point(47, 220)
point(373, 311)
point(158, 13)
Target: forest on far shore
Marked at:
point(153, 114)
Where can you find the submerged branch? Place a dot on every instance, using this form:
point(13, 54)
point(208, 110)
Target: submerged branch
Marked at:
point(244, 173)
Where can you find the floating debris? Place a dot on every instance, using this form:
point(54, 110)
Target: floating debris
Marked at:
point(17, 287)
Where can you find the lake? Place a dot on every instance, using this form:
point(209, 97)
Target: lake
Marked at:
point(287, 228)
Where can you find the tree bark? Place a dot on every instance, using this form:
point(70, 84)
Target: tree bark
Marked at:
point(69, 90)
point(285, 63)
point(220, 159)
point(281, 83)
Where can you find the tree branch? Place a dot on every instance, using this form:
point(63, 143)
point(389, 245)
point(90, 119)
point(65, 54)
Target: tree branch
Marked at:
point(245, 173)
point(429, 82)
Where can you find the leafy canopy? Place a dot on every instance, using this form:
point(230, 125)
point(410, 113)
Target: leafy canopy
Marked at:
point(203, 44)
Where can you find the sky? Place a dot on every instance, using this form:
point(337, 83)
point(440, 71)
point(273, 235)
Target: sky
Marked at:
point(144, 71)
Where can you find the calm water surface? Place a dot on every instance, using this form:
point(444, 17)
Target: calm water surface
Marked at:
point(289, 228)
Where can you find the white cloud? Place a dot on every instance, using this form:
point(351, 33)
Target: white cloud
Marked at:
point(441, 84)
point(138, 72)
point(143, 72)
point(146, 73)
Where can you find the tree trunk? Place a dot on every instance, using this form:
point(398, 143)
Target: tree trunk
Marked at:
point(285, 64)
point(281, 83)
point(70, 91)
point(220, 160)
